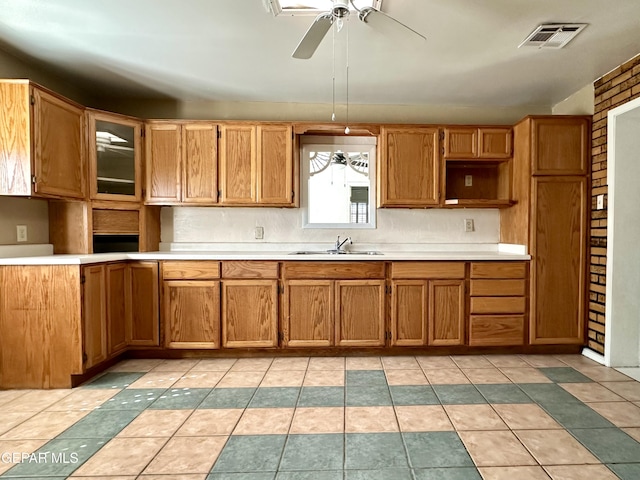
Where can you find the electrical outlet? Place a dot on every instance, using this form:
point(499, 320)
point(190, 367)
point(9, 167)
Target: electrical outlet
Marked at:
point(468, 225)
point(468, 180)
point(600, 202)
point(21, 233)
point(259, 233)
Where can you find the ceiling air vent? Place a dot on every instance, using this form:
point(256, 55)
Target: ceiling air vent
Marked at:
point(553, 35)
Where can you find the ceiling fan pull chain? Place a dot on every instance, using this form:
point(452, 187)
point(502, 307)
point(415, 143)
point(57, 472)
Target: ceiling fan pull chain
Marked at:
point(333, 76)
point(346, 129)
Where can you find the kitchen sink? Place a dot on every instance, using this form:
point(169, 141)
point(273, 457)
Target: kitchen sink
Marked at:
point(335, 252)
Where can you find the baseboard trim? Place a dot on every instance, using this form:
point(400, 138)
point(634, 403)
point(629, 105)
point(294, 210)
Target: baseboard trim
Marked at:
point(593, 355)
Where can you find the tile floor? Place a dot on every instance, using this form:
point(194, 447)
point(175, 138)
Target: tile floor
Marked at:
point(423, 418)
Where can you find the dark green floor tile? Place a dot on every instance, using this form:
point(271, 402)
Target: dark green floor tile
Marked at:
point(366, 378)
point(133, 399)
point(458, 394)
point(321, 397)
point(384, 474)
point(507, 393)
point(576, 415)
point(373, 451)
point(77, 452)
point(543, 393)
point(436, 449)
point(241, 476)
point(272, 397)
point(181, 399)
point(114, 380)
point(413, 395)
point(100, 424)
point(626, 471)
point(564, 375)
point(447, 474)
point(228, 398)
point(319, 475)
point(360, 396)
point(313, 452)
point(250, 453)
point(610, 445)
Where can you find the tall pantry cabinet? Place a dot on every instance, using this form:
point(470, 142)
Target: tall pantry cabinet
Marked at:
point(551, 187)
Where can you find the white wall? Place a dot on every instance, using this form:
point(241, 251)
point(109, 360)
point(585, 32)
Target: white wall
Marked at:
point(580, 103)
point(23, 211)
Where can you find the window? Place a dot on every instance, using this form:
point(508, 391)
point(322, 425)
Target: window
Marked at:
point(338, 182)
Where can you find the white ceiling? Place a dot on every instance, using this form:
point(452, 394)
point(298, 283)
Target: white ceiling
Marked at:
point(234, 50)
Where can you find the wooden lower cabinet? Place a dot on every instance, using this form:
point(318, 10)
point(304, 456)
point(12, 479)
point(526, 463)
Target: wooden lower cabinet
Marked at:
point(446, 312)
point(249, 313)
point(116, 284)
point(191, 313)
point(94, 315)
point(143, 321)
point(308, 313)
point(359, 317)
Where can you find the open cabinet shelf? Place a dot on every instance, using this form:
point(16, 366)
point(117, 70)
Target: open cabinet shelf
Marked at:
point(478, 183)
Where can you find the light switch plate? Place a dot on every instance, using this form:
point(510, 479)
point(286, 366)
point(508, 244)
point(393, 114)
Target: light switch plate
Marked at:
point(600, 202)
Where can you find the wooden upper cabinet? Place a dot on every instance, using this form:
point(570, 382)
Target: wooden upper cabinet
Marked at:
point(409, 167)
point(275, 164)
point(477, 143)
point(41, 143)
point(560, 145)
point(238, 164)
point(163, 163)
point(200, 163)
point(115, 156)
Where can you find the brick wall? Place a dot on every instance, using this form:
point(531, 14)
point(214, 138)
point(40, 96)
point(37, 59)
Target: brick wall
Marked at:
point(614, 89)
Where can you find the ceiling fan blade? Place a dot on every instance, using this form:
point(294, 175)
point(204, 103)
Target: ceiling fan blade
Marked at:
point(381, 21)
point(314, 36)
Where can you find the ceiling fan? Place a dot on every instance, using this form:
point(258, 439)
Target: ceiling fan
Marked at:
point(340, 10)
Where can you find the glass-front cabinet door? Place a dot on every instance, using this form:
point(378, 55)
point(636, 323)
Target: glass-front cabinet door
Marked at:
point(115, 153)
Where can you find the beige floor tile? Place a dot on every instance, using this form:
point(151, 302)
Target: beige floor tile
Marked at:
point(156, 423)
point(44, 425)
point(422, 418)
point(604, 374)
point(8, 420)
point(205, 423)
point(446, 376)
point(187, 455)
point(315, 420)
point(264, 421)
point(406, 377)
point(157, 379)
point(580, 472)
point(122, 456)
point(400, 363)
point(176, 365)
point(214, 365)
point(8, 395)
point(429, 362)
point(324, 378)
point(485, 375)
point(543, 361)
point(240, 379)
point(633, 432)
point(525, 416)
point(199, 379)
point(627, 390)
point(513, 473)
point(252, 365)
point(84, 399)
point(471, 361)
point(35, 400)
point(591, 392)
point(326, 363)
point(496, 449)
point(11, 451)
point(509, 361)
point(136, 365)
point(624, 414)
point(364, 363)
point(117, 477)
point(577, 361)
point(555, 447)
point(525, 375)
point(283, 378)
point(474, 417)
point(191, 476)
point(290, 363)
point(370, 420)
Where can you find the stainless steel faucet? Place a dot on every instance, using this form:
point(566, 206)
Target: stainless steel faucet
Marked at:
point(339, 244)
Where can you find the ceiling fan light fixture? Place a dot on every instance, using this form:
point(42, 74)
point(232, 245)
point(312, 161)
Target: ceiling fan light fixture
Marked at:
point(313, 7)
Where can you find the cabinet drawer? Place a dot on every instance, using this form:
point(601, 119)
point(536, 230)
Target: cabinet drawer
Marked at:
point(440, 270)
point(498, 270)
point(497, 288)
point(190, 270)
point(497, 304)
point(249, 269)
point(334, 270)
point(115, 221)
point(496, 330)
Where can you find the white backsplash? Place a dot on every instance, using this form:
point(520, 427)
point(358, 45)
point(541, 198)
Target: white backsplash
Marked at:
point(220, 225)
